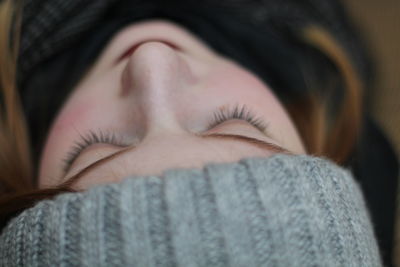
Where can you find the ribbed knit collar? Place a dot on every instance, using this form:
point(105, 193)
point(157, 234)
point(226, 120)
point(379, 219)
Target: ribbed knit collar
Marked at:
point(278, 211)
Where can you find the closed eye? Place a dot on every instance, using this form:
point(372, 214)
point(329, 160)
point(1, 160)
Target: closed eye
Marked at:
point(219, 116)
point(88, 140)
point(237, 112)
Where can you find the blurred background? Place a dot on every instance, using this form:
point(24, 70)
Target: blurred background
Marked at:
point(380, 25)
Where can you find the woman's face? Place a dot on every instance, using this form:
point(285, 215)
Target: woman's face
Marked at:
point(148, 105)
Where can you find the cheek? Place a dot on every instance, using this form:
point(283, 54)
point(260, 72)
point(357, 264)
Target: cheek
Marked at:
point(237, 85)
point(71, 115)
point(63, 132)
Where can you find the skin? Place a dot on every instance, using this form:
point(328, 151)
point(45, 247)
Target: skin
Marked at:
point(158, 99)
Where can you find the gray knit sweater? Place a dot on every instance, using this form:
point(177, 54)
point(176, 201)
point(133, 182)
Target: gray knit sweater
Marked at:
point(278, 211)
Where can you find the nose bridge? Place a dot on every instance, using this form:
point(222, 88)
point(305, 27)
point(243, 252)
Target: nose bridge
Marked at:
point(155, 79)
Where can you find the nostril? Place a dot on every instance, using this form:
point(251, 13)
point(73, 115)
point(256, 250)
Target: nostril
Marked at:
point(132, 49)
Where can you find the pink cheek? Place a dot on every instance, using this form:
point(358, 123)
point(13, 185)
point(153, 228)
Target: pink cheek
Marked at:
point(247, 88)
point(60, 136)
point(71, 117)
point(242, 84)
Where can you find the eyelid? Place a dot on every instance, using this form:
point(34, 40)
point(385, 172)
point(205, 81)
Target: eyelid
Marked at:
point(93, 154)
point(243, 129)
point(87, 140)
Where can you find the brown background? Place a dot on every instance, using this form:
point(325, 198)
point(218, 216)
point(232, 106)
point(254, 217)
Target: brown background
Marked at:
point(379, 21)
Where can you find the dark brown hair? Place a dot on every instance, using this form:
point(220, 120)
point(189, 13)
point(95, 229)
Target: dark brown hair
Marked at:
point(18, 190)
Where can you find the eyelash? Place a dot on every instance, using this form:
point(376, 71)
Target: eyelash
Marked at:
point(237, 112)
point(219, 116)
point(89, 139)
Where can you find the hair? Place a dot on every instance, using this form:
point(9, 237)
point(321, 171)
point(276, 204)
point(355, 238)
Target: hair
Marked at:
point(18, 190)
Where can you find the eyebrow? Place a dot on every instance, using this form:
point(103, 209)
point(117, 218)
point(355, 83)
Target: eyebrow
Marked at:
point(249, 140)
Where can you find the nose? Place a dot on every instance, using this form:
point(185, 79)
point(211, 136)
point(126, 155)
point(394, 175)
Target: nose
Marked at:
point(156, 79)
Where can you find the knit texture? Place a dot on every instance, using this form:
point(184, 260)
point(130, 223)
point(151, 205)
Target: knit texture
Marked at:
point(277, 211)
